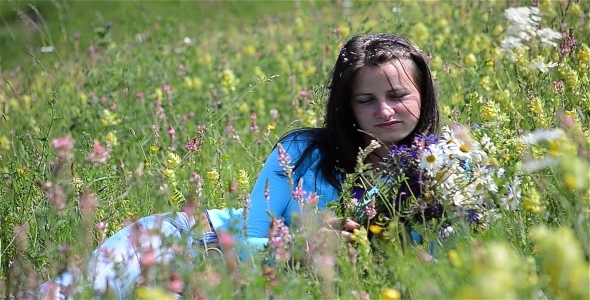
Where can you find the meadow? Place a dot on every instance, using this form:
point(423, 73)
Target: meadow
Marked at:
point(170, 113)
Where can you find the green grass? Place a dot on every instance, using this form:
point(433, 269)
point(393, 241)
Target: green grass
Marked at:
point(57, 22)
point(256, 59)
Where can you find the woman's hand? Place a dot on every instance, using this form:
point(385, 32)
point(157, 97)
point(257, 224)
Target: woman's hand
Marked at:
point(344, 228)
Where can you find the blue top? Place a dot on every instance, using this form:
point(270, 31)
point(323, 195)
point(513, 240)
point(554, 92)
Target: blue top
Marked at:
point(281, 204)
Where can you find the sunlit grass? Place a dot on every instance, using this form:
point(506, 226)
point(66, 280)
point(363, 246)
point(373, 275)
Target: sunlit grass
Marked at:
point(233, 90)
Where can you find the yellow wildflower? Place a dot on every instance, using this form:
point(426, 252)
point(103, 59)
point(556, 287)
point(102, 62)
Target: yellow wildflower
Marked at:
point(145, 293)
point(497, 30)
point(488, 113)
point(532, 201)
point(159, 93)
point(470, 59)
point(111, 139)
point(310, 119)
point(197, 83)
point(173, 160)
point(576, 10)
point(419, 33)
point(213, 175)
point(168, 173)
point(486, 83)
point(109, 118)
point(228, 81)
point(4, 142)
point(258, 73)
point(155, 148)
point(249, 50)
point(376, 229)
point(391, 294)
point(584, 54)
point(260, 107)
point(84, 98)
point(454, 258)
point(188, 83)
point(446, 110)
point(344, 30)
point(457, 99)
point(436, 62)
point(309, 71)
point(243, 107)
point(243, 180)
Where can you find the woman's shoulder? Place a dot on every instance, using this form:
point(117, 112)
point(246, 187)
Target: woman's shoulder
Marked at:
point(302, 139)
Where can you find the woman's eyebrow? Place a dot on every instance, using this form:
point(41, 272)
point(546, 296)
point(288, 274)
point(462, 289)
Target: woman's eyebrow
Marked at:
point(396, 90)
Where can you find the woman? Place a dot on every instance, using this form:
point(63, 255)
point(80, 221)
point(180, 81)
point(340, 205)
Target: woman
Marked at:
point(381, 88)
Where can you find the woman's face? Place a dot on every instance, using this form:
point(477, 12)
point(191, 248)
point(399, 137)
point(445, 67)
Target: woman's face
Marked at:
point(385, 101)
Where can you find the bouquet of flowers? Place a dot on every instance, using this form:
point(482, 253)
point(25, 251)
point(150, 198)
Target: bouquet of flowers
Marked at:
point(446, 177)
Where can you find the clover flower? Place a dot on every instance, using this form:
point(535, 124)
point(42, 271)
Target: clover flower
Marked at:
point(99, 154)
point(280, 240)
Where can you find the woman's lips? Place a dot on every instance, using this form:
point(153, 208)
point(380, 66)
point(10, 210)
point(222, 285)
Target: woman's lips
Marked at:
point(388, 125)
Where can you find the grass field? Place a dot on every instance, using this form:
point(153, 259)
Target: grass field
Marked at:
point(93, 136)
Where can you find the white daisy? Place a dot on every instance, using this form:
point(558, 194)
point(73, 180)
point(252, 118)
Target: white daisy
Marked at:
point(458, 198)
point(432, 160)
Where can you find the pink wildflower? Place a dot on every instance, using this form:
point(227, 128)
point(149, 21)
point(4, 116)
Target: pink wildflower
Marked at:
point(198, 180)
point(568, 42)
point(175, 284)
point(56, 196)
point(87, 202)
point(253, 127)
point(226, 240)
point(181, 70)
point(139, 95)
point(191, 144)
point(370, 210)
point(195, 143)
point(312, 199)
point(148, 258)
point(284, 158)
point(99, 154)
point(167, 89)
point(280, 240)
point(100, 226)
point(558, 86)
point(63, 143)
point(171, 132)
point(298, 193)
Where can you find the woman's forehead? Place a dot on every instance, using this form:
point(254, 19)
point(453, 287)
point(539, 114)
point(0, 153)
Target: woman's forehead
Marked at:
point(396, 67)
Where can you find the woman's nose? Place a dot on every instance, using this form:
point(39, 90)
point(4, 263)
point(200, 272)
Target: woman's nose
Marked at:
point(384, 110)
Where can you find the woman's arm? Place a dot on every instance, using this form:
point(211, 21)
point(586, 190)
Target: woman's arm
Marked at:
point(279, 192)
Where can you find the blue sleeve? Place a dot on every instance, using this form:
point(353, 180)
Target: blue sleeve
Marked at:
point(258, 221)
point(232, 221)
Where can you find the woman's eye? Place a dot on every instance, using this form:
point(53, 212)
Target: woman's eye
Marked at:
point(365, 100)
